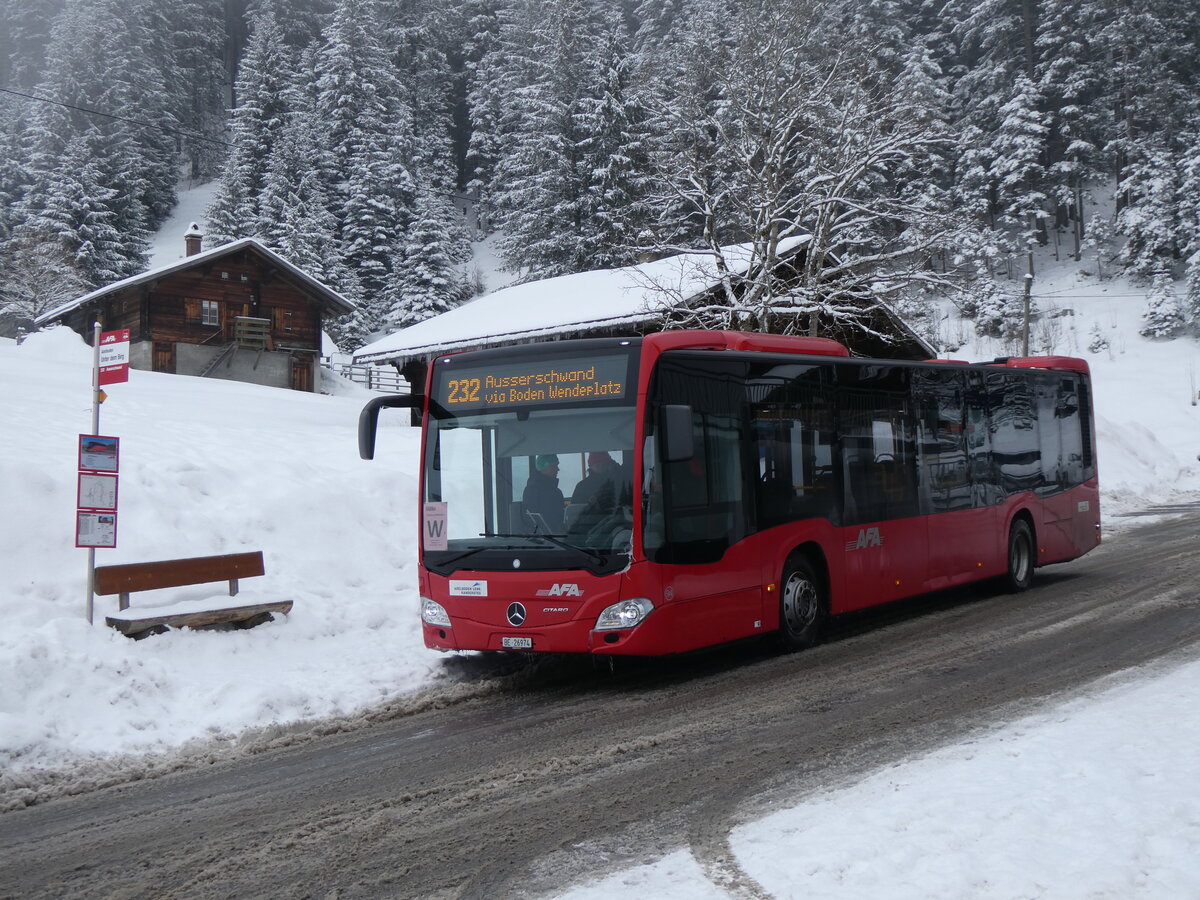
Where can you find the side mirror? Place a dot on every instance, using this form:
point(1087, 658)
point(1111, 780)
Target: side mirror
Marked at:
point(675, 430)
point(368, 419)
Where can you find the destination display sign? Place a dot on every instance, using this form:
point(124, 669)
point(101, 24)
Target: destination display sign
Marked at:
point(533, 383)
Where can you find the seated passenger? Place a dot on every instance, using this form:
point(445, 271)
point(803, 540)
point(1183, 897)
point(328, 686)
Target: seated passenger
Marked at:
point(597, 494)
point(542, 499)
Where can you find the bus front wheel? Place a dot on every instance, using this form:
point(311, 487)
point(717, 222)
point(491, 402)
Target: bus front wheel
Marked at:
point(1020, 557)
point(802, 607)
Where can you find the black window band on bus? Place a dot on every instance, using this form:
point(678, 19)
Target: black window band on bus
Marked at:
point(854, 442)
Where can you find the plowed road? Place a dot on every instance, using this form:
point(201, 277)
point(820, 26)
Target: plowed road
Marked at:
point(565, 772)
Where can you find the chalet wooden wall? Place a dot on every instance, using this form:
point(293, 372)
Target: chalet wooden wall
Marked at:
point(243, 284)
point(198, 305)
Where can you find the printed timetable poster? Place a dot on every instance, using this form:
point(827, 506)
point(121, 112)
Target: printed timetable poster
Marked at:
point(98, 453)
point(97, 491)
point(95, 529)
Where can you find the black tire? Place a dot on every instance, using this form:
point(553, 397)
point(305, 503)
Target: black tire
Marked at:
point(1021, 557)
point(803, 606)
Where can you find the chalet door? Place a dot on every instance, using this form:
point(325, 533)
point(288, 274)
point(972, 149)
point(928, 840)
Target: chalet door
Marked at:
point(164, 357)
point(302, 373)
point(229, 312)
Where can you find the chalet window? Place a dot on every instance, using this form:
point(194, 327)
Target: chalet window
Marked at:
point(210, 312)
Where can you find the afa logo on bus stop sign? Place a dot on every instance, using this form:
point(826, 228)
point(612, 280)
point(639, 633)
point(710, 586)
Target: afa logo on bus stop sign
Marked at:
point(114, 357)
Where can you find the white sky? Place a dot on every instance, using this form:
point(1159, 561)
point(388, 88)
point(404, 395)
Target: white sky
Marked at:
point(1094, 798)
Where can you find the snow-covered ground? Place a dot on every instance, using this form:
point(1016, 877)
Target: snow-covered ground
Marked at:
point(194, 200)
point(1095, 798)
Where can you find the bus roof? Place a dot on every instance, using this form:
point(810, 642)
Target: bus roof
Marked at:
point(685, 339)
point(1061, 363)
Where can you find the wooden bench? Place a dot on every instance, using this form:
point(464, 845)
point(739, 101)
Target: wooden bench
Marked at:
point(169, 573)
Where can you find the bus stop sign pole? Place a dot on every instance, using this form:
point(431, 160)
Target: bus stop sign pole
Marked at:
point(91, 570)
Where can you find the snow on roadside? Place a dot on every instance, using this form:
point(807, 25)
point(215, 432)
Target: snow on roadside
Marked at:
point(1092, 798)
point(206, 467)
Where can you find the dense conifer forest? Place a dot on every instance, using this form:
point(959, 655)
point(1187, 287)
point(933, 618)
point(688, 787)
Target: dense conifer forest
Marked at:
point(922, 146)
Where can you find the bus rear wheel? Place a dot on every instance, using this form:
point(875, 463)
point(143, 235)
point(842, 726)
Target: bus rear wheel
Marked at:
point(1020, 557)
point(802, 606)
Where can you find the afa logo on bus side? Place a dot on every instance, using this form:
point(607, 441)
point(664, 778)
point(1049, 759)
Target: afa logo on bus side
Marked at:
point(867, 537)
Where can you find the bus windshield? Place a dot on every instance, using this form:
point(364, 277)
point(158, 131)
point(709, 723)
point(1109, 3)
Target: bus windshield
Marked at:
point(533, 456)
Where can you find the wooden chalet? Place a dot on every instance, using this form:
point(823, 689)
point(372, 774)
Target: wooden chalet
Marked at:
point(239, 312)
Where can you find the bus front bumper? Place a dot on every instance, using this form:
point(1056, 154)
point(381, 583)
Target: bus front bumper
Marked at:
point(577, 636)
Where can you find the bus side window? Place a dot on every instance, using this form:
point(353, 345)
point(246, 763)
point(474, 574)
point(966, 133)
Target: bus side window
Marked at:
point(791, 412)
point(1068, 414)
point(1013, 421)
point(878, 447)
point(984, 489)
point(945, 476)
point(704, 509)
point(1053, 471)
point(1085, 428)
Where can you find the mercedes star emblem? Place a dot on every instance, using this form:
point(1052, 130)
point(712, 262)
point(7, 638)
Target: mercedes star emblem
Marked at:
point(516, 614)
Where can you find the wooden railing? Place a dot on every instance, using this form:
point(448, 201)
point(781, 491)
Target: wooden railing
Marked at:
point(374, 378)
point(251, 332)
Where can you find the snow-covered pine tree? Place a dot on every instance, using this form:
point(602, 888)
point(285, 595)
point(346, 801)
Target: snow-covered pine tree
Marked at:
point(1001, 312)
point(135, 69)
point(39, 273)
point(485, 90)
point(102, 56)
point(1189, 210)
point(618, 150)
point(24, 39)
point(1151, 52)
point(1097, 341)
point(543, 184)
point(302, 21)
point(72, 208)
point(367, 165)
point(14, 176)
point(265, 98)
point(1019, 150)
point(424, 39)
point(656, 19)
point(1191, 297)
point(1149, 219)
point(1099, 237)
point(294, 210)
point(1069, 79)
point(198, 48)
point(1163, 317)
point(983, 46)
point(426, 285)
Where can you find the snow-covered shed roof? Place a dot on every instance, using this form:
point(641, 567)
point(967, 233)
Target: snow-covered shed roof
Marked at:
point(569, 304)
point(584, 301)
point(336, 303)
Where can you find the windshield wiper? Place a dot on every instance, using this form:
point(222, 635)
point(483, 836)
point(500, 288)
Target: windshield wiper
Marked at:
point(555, 540)
point(452, 560)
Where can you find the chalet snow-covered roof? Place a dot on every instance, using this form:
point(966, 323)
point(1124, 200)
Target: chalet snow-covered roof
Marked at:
point(603, 298)
point(338, 304)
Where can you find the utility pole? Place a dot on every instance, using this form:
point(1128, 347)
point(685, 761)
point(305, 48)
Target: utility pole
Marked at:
point(1025, 317)
point(1028, 292)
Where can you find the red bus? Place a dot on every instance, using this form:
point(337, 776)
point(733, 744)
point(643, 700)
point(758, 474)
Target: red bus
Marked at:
point(656, 495)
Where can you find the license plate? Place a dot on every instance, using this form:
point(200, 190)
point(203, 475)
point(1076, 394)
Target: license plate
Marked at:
point(516, 643)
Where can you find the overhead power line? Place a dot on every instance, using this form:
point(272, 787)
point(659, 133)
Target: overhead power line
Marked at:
point(96, 112)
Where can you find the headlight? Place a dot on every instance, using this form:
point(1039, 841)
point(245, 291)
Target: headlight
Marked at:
point(625, 614)
point(433, 613)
